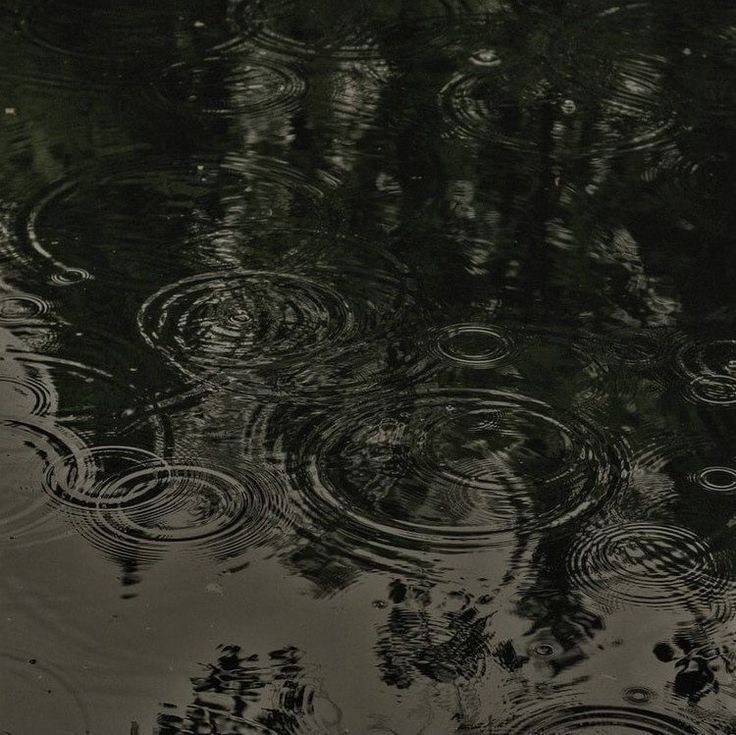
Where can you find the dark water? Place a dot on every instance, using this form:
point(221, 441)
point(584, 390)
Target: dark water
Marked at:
point(367, 367)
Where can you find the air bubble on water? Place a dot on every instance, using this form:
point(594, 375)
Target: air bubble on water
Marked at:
point(485, 57)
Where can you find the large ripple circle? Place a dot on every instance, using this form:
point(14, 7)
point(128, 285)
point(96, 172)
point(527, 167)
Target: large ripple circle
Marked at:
point(451, 470)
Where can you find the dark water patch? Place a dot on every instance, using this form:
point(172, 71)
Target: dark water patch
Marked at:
point(126, 34)
point(406, 324)
point(149, 212)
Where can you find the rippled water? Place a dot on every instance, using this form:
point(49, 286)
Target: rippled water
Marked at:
point(367, 367)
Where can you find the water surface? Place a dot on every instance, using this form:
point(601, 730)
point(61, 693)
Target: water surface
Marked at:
point(367, 367)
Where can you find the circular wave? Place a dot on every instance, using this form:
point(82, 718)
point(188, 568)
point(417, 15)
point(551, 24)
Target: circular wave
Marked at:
point(228, 86)
point(158, 507)
point(488, 103)
point(92, 477)
point(70, 276)
point(22, 309)
point(79, 395)
point(449, 471)
point(545, 649)
point(157, 217)
point(474, 345)
point(642, 563)
point(24, 396)
point(266, 331)
point(240, 322)
point(29, 447)
point(718, 479)
point(638, 695)
point(711, 369)
point(599, 719)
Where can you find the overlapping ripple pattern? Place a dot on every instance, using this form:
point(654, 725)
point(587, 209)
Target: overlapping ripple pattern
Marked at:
point(367, 367)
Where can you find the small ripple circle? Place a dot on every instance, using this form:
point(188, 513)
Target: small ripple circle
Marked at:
point(718, 479)
point(226, 86)
point(474, 345)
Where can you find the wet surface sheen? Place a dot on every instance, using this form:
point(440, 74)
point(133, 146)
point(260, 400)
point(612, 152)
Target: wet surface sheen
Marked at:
point(367, 367)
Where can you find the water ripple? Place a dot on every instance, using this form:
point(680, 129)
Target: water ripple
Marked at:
point(28, 447)
point(153, 215)
point(474, 345)
point(258, 330)
point(92, 477)
point(228, 86)
point(486, 103)
point(22, 309)
point(123, 35)
point(92, 399)
point(643, 563)
point(449, 471)
point(711, 369)
point(281, 27)
point(25, 396)
point(593, 719)
point(156, 508)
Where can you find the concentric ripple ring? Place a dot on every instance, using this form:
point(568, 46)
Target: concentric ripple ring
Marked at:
point(206, 510)
point(235, 326)
point(473, 345)
point(642, 563)
point(590, 720)
point(450, 470)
